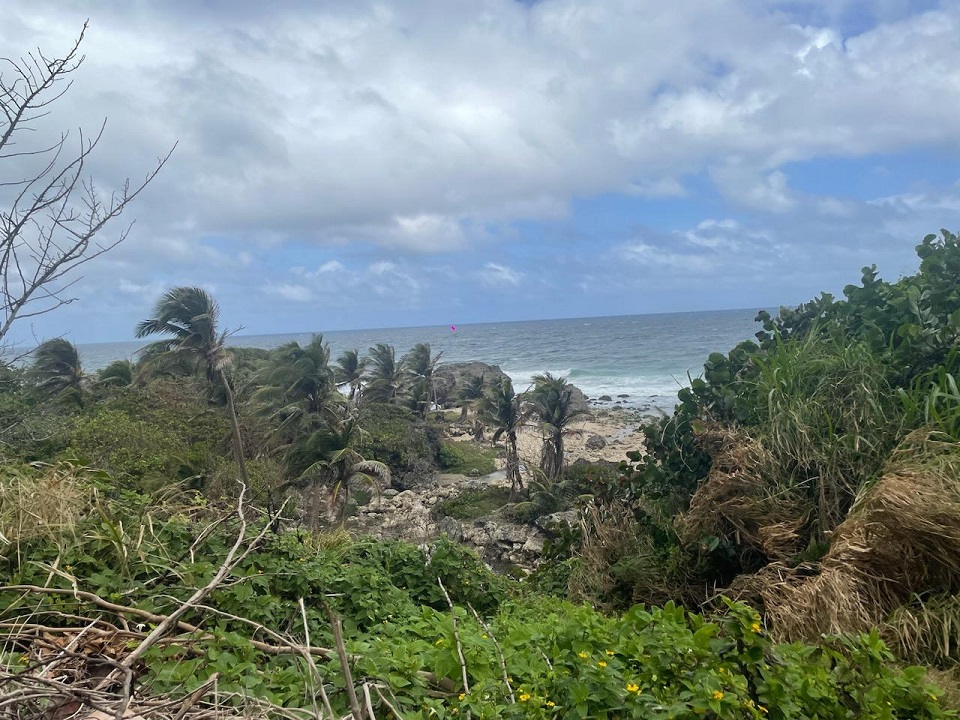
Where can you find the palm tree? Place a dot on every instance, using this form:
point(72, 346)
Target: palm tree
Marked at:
point(419, 366)
point(503, 409)
point(57, 370)
point(551, 401)
point(328, 458)
point(298, 386)
point(384, 374)
point(468, 394)
point(189, 315)
point(349, 371)
point(119, 373)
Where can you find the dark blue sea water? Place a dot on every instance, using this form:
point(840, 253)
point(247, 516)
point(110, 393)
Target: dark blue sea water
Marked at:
point(647, 357)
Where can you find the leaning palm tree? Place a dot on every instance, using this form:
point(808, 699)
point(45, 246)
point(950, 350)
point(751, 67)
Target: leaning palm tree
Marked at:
point(384, 374)
point(119, 373)
point(328, 459)
point(551, 401)
point(419, 365)
point(189, 315)
point(349, 371)
point(298, 387)
point(56, 370)
point(503, 409)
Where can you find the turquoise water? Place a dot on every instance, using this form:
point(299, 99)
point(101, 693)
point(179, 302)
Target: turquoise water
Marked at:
point(646, 357)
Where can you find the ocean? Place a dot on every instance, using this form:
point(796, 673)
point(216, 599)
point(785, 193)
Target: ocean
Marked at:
point(646, 358)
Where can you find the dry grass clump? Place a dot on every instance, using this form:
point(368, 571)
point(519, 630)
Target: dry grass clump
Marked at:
point(619, 564)
point(41, 500)
point(926, 632)
point(742, 504)
point(900, 540)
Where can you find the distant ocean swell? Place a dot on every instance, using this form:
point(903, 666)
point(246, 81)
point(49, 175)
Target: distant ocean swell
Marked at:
point(644, 392)
point(644, 357)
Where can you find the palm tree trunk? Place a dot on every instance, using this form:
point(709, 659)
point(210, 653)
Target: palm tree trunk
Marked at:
point(237, 439)
point(513, 465)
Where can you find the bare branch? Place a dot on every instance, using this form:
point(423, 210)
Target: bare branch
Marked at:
point(55, 212)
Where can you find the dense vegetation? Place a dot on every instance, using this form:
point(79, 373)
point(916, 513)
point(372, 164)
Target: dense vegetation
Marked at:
point(797, 519)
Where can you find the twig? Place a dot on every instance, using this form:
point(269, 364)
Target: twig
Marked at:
point(344, 663)
point(456, 637)
point(387, 703)
point(368, 701)
point(496, 643)
point(195, 696)
point(311, 663)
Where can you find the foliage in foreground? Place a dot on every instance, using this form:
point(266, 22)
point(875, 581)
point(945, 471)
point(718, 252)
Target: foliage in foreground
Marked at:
point(758, 480)
point(509, 654)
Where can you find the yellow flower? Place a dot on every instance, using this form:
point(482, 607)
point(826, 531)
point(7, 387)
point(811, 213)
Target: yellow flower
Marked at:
point(717, 695)
point(439, 642)
point(602, 663)
point(462, 697)
point(633, 687)
point(755, 627)
point(524, 697)
point(68, 567)
point(550, 703)
point(933, 697)
point(761, 708)
point(485, 637)
point(611, 653)
point(582, 654)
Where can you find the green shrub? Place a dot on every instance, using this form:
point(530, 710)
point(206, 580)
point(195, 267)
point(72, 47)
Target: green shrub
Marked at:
point(474, 503)
point(397, 437)
point(467, 458)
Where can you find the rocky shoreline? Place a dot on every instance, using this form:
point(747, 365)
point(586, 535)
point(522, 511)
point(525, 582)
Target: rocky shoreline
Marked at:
point(415, 515)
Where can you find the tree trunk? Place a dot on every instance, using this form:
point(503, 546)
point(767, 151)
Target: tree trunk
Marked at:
point(237, 439)
point(513, 465)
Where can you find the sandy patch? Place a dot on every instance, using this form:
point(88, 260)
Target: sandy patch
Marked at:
point(620, 431)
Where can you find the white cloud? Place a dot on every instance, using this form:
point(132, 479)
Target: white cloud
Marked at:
point(295, 131)
point(292, 292)
point(331, 266)
point(495, 274)
point(291, 125)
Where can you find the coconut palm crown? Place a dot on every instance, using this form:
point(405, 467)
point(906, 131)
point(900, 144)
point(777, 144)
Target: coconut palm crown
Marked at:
point(56, 369)
point(189, 315)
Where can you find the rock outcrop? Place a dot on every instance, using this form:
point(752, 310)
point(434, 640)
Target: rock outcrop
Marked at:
point(411, 516)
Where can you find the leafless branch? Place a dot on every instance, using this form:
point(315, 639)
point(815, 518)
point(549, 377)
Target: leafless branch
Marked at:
point(50, 223)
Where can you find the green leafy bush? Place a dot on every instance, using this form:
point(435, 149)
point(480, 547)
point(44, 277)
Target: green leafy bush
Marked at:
point(474, 503)
point(466, 458)
point(397, 437)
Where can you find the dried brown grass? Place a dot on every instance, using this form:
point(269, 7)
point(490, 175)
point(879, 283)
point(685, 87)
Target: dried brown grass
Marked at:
point(901, 540)
point(41, 501)
point(742, 502)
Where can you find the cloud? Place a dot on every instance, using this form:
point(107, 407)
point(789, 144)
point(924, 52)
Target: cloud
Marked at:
point(360, 138)
point(294, 293)
point(500, 275)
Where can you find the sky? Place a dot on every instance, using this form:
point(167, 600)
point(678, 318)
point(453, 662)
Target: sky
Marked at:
point(355, 164)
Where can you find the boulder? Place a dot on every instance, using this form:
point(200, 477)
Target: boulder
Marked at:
point(595, 442)
point(450, 376)
point(420, 474)
point(568, 518)
point(604, 398)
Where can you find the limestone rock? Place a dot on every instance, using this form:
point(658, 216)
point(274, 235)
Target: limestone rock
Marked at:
point(595, 442)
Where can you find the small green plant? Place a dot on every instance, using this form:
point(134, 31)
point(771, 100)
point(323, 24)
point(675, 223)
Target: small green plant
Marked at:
point(474, 503)
point(467, 458)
